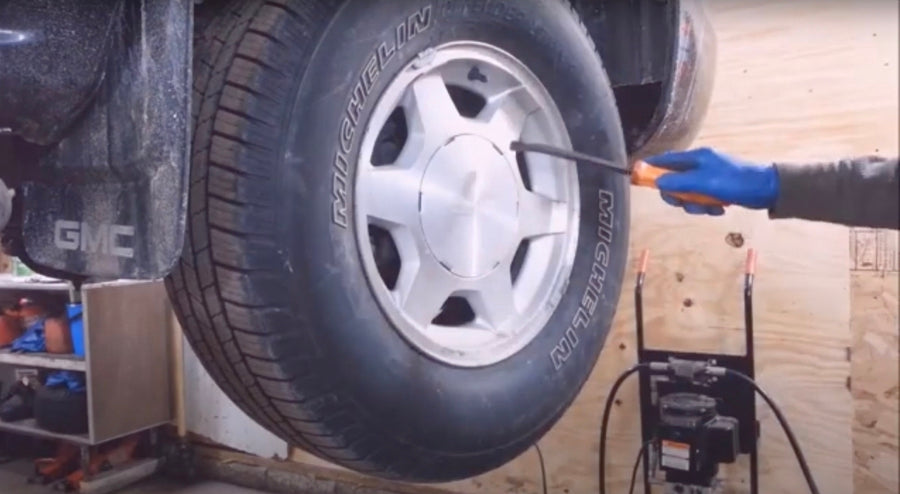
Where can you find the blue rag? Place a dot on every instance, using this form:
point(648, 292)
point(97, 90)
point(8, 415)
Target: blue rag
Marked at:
point(32, 340)
point(70, 379)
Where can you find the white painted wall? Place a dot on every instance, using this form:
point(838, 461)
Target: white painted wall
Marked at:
point(213, 415)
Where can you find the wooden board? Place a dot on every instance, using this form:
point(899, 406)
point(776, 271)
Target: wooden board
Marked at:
point(797, 81)
point(126, 341)
point(874, 323)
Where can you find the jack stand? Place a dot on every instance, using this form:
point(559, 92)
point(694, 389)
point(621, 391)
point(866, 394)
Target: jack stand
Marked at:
point(685, 416)
point(180, 462)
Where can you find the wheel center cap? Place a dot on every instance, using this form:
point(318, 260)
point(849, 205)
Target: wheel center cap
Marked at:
point(469, 206)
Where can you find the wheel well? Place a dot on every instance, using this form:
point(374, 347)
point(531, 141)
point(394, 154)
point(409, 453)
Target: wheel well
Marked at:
point(636, 40)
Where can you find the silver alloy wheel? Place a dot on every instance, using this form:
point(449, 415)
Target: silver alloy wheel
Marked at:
point(467, 246)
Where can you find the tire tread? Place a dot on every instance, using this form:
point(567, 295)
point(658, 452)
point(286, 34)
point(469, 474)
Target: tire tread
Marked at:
point(231, 253)
point(234, 332)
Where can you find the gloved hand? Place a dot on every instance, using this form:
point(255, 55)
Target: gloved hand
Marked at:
point(705, 171)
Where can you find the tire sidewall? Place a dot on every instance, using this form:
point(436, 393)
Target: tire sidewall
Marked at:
point(389, 381)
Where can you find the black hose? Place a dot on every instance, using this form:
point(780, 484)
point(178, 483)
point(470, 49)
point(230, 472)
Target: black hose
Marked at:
point(605, 421)
point(637, 462)
point(543, 470)
point(784, 425)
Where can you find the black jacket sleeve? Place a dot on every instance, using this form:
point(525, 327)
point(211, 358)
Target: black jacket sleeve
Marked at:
point(858, 192)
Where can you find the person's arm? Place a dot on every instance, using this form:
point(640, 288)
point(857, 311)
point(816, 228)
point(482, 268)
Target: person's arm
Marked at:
point(857, 192)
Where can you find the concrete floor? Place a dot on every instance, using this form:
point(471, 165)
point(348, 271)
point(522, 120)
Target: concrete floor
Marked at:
point(13, 478)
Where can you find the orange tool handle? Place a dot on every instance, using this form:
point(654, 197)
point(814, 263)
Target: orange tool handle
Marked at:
point(644, 174)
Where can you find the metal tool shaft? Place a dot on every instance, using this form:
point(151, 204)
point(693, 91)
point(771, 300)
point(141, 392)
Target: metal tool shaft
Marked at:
point(528, 147)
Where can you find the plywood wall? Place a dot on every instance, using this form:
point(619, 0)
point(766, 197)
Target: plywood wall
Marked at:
point(798, 81)
point(875, 323)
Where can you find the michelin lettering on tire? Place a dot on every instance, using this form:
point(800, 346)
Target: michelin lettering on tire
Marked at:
point(591, 295)
point(414, 25)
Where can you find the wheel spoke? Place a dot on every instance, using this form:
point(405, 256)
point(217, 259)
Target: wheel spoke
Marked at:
point(430, 110)
point(507, 112)
point(390, 194)
point(413, 156)
point(422, 289)
point(492, 299)
point(540, 216)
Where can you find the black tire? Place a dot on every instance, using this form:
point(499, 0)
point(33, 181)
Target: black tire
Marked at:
point(271, 290)
point(59, 410)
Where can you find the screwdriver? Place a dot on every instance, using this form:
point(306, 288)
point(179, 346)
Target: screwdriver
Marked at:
point(642, 173)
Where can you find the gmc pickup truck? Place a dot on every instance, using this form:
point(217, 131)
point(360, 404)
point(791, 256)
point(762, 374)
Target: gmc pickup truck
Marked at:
point(352, 249)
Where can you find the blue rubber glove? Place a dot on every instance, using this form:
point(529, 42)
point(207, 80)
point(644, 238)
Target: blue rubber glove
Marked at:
point(705, 171)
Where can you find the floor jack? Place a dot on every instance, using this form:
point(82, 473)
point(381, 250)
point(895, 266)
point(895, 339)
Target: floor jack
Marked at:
point(71, 465)
point(105, 457)
point(52, 469)
point(692, 418)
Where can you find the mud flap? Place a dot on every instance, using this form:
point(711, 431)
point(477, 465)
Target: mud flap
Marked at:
point(109, 200)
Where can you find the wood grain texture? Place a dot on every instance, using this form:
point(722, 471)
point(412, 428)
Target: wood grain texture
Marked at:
point(875, 388)
point(126, 339)
point(798, 81)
